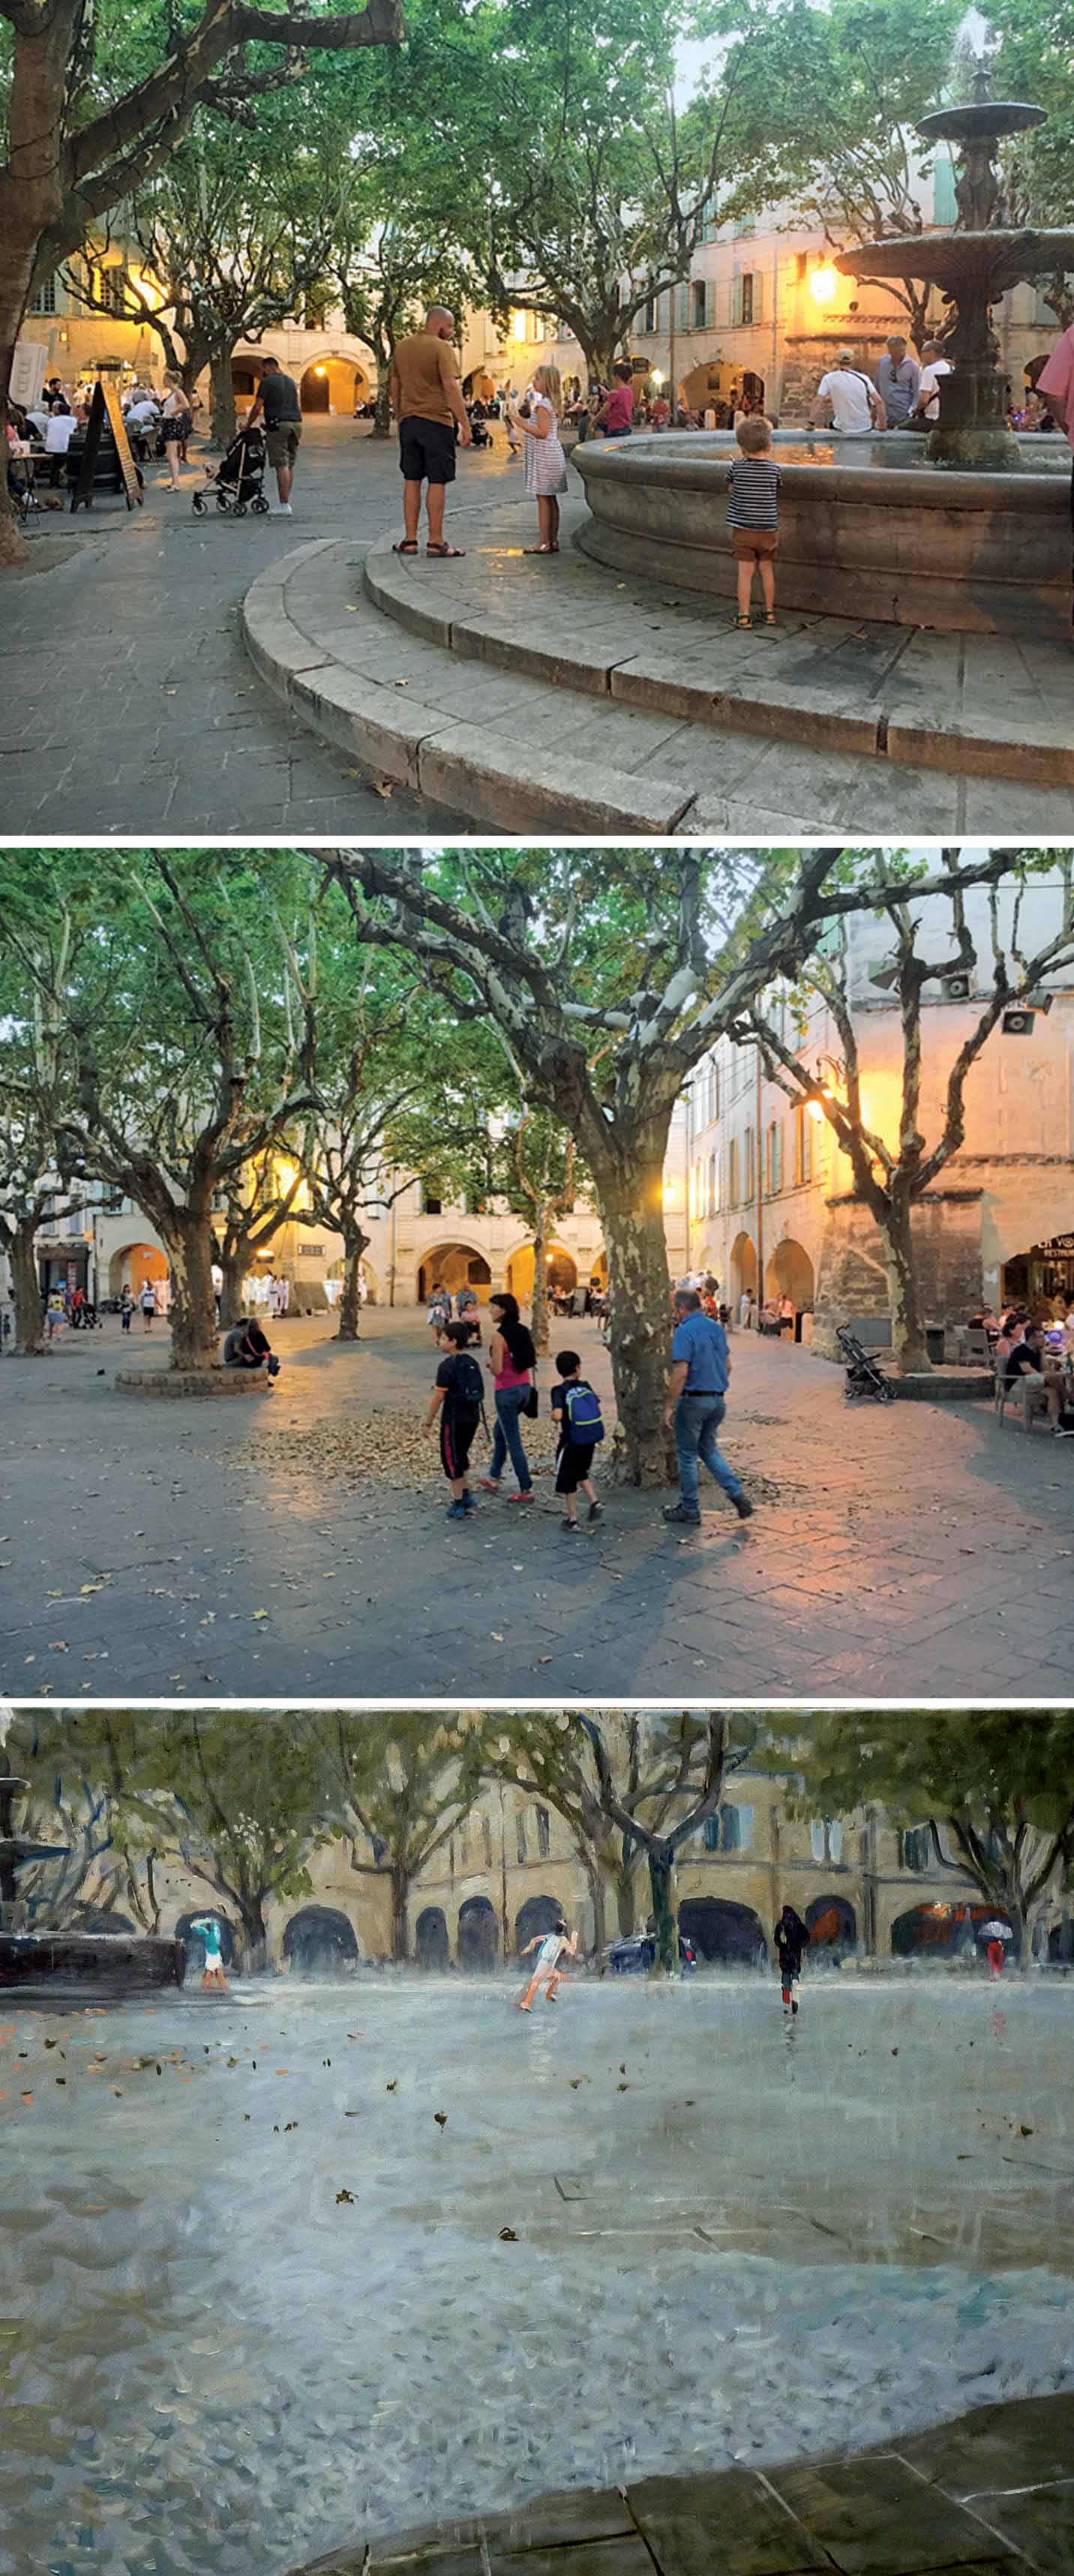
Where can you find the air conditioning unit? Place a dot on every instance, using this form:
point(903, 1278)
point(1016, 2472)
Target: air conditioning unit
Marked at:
point(1018, 1024)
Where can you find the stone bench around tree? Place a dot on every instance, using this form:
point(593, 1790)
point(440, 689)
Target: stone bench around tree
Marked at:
point(216, 1381)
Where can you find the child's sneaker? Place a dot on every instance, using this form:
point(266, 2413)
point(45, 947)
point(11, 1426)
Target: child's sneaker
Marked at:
point(455, 1512)
point(595, 1511)
point(565, 1524)
point(468, 1505)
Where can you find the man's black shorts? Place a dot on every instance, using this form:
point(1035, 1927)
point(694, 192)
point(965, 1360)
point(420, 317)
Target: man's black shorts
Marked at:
point(573, 1465)
point(426, 450)
point(456, 1441)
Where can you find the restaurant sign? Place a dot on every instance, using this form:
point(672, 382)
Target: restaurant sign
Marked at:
point(1061, 1246)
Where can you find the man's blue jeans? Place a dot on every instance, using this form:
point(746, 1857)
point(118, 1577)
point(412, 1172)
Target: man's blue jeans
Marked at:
point(697, 1421)
point(507, 1437)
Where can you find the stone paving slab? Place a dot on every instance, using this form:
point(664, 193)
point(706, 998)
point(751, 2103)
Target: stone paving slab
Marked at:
point(536, 694)
point(887, 2512)
point(976, 704)
point(886, 1555)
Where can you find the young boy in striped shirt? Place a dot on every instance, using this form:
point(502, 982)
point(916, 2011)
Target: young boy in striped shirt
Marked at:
point(753, 515)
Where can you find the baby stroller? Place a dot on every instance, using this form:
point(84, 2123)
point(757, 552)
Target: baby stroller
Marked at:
point(864, 1380)
point(480, 433)
point(238, 479)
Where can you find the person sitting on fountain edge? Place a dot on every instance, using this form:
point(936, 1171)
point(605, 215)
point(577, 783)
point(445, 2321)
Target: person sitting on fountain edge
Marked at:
point(247, 1347)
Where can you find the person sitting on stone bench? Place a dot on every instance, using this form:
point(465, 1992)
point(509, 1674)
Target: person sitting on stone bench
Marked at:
point(248, 1347)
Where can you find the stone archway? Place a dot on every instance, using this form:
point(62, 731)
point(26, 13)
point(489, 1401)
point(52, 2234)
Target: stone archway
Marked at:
point(790, 1273)
point(560, 1265)
point(456, 1265)
point(334, 384)
point(743, 1265)
point(538, 1914)
point(478, 1944)
point(432, 1945)
point(724, 1934)
point(133, 1263)
point(940, 1931)
point(193, 1942)
point(832, 1926)
point(320, 1941)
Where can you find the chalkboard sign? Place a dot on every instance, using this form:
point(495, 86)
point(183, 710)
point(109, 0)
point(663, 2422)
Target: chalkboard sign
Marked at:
point(105, 407)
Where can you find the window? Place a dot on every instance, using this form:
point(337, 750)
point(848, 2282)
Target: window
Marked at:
point(751, 1163)
point(544, 1838)
point(650, 314)
point(714, 1192)
point(916, 1847)
point(732, 1172)
point(43, 299)
point(430, 1206)
point(826, 1839)
point(520, 1836)
point(746, 313)
point(697, 304)
point(113, 285)
point(773, 1157)
point(803, 1145)
point(801, 263)
point(486, 1839)
point(729, 1830)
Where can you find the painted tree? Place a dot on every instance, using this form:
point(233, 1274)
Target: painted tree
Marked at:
point(241, 1799)
point(403, 1781)
point(994, 1786)
point(97, 102)
point(893, 1173)
point(608, 976)
point(80, 1768)
point(547, 1756)
point(164, 988)
point(685, 1757)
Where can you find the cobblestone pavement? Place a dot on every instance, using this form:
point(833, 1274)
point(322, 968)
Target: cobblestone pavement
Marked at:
point(988, 2493)
point(913, 1551)
point(128, 703)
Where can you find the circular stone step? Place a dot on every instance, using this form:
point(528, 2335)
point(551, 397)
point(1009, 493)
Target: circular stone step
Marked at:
point(218, 1381)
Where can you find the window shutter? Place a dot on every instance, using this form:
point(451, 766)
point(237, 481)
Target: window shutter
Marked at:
point(710, 303)
point(682, 307)
point(736, 298)
point(758, 295)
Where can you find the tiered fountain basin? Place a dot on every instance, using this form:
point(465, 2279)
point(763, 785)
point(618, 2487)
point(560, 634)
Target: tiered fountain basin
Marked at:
point(91, 1963)
point(868, 527)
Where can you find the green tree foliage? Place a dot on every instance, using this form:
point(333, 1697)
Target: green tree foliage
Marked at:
point(402, 1781)
point(994, 1786)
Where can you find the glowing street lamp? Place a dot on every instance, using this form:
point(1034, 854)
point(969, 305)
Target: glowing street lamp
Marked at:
point(824, 286)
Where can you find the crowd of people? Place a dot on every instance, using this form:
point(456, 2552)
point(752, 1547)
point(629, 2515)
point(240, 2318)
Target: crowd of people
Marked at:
point(1033, 1352)
point(45, 438)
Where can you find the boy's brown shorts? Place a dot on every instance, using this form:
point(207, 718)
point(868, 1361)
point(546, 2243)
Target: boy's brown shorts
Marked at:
point(750, 545)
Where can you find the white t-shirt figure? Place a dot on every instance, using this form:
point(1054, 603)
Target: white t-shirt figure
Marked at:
point(853, 400)
point(928, 392)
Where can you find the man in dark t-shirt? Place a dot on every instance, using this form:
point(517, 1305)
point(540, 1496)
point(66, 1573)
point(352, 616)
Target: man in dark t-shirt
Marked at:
point(278, 403)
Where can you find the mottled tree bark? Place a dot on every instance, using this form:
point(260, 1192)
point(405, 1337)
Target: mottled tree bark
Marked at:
point(29, 1321)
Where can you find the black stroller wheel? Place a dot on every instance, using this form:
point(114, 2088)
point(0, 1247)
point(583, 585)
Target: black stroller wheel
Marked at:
point(223, 501)
point(199, 504)
point(240, 509)
point(260, 505)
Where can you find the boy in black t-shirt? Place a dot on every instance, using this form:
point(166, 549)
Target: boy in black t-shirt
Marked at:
point(457, 1398)
point(574, 1456)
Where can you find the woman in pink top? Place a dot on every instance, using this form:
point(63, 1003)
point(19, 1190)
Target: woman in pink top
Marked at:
point(616, 414)
point(512, 1359)
point(1056, 383)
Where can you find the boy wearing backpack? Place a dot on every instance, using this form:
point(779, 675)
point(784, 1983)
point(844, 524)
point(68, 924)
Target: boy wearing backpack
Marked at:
point(457, 1397)
point(577, 1408)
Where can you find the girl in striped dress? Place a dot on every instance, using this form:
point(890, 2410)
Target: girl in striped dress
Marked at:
point(545, 463)
point(753, 515)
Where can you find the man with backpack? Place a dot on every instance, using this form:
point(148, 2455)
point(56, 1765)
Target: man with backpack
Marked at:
point(458, 1397)
point(576, 1406)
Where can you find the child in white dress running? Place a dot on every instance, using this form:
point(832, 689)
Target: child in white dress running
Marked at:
point(545, 462)
point(551, 1948)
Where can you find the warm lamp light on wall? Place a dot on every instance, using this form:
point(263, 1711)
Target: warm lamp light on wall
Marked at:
point(824, 286)
point(320, 371)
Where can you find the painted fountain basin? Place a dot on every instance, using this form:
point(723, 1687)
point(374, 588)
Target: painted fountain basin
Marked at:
point(868, 528)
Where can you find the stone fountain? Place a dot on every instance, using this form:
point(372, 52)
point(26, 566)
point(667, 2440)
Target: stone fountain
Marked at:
point(894, 527)
point(972, 265)
point(116, 1963)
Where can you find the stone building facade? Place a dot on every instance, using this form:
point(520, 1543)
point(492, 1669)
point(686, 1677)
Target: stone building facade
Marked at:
point(772, 1195)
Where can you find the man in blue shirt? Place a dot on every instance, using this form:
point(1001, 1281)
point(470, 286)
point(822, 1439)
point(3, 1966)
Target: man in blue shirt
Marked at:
point(898, 379)
point(697, 1384)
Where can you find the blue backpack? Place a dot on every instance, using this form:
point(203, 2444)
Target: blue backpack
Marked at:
point(582, 1409)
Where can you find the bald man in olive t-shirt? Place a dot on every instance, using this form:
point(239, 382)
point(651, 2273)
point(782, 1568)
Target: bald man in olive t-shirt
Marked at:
point(426, 398)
